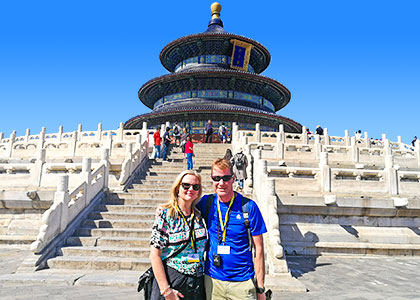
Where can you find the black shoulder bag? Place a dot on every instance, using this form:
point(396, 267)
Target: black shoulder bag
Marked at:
point(146, 279)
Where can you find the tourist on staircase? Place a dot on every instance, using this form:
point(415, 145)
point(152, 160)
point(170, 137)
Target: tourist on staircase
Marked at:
point(179, 238)
point(177, 134)
point(157, 139)
point(209, 131)
point(222, 132)
point(189, 153)
point(166, 142)
point(240, 163)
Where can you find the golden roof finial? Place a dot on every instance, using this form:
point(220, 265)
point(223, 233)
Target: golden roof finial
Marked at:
point(215, 10)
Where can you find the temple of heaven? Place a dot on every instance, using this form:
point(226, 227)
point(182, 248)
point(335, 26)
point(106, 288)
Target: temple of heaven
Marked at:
point(214, 75)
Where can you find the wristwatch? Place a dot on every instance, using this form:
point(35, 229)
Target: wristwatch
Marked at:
point(260, 290)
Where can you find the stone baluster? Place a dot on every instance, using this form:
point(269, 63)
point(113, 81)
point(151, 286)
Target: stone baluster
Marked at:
point(367, 140)
point(355, 154)
point(273, 219)
point(144, 132)
point(257, 154)
point(392, 175)
point(41, 141)
point(280, 147)
point(40, 161)
point(257, 133)
point(28, 133)
point(387, 147)
point(417, 151)
point(317, 146)
point(383, 136)
point(79, 132)
point(305, 139)
point(105, 161)
point(249, 180)
point(120, 132)
point(139, 140)
point(109, 142)
point(234, 131)
point(346, 138)
point(61, 196)
point(99, 132)
point(281, 137)
point(60, 133)
point(400, 143)
point(74, 142)
point(326, 137)
point(325, 171)
point(86, 175)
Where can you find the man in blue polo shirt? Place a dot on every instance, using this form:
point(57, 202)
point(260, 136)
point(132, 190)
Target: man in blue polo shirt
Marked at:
point(230, 268)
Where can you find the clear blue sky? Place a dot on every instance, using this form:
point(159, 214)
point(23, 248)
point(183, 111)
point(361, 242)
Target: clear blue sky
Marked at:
point(348, 64)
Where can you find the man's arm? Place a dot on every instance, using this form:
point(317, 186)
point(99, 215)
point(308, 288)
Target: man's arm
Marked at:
point(259, 265)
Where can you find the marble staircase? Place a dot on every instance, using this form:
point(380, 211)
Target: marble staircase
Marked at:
point(115, 236)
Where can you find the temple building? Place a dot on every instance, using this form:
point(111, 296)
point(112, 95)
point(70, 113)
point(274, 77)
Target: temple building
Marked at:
point(214, 75)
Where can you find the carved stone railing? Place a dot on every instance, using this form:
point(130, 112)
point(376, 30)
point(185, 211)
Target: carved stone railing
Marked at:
point(69, 144)
point(68, 205)
point(265, 196)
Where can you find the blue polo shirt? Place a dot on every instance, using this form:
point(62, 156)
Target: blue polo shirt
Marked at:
point(238, 265)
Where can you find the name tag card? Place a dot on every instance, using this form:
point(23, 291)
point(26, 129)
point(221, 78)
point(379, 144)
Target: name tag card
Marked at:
point(194, 257)
point(223, 249)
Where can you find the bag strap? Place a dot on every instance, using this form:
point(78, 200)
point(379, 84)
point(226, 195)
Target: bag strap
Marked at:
point(209, 201)
point(180, 249)
point(245, 213)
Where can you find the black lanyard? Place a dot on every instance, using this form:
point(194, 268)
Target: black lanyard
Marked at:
point(191, 228)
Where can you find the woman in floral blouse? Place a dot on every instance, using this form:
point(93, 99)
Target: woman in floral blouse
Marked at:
point(179, 223)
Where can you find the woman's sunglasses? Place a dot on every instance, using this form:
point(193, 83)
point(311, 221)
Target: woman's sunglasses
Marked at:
point(225, 178)
point(186, 186)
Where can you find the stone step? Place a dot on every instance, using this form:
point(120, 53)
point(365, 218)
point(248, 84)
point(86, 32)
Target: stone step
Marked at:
point(98, 215)
point(149, 201)
point(129, 208)
point(339, 248)
point(117, 223)
point(17, 239)
point(110, 251)
point(108, 241)
point(113, 232)
point(336, 233)
point(99, 263)
point(165, 182)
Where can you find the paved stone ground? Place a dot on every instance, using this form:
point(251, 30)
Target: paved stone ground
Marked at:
point(326, 278)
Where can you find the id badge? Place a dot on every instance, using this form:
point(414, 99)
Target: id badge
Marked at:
point(223, 249)
point(193, 257)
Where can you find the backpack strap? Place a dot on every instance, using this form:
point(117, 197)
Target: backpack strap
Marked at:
point(245, 213)
point(209, 201)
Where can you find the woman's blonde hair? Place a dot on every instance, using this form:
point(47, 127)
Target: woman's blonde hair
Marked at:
point(173, 202)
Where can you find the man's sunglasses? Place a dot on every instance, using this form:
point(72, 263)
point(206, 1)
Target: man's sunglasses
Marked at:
point(186, 186)
point(225, 178)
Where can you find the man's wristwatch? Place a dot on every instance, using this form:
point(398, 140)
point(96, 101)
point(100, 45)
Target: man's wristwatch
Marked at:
point(260, 290)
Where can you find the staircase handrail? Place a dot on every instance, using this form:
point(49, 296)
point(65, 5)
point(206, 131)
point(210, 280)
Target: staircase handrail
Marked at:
point(67, 205)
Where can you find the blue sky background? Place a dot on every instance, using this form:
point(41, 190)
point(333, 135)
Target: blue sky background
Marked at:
point(348, 64)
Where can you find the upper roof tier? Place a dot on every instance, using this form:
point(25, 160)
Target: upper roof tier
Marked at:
point(214, 41)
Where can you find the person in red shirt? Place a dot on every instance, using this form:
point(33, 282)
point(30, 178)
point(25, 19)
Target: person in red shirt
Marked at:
point(189, 153)
point(157, 138)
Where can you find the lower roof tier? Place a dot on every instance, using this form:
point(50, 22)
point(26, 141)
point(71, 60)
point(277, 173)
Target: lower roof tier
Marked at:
point(215, 79)
point(227, 113)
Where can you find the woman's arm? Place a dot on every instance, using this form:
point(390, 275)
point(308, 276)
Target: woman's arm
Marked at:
point(157, 266)
point(160, 275)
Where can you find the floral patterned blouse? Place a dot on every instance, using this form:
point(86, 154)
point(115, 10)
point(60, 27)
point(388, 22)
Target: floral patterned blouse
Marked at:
point(168, 234)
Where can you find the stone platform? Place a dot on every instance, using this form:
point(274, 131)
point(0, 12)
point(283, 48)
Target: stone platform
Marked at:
point(325, 277)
